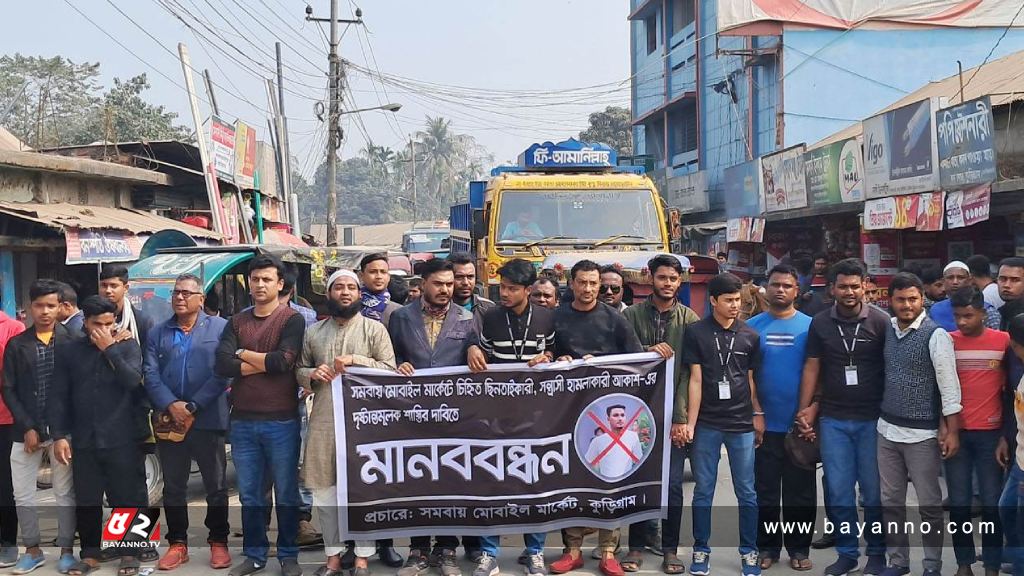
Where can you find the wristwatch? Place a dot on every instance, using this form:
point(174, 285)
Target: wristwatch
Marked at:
point(238, 353)
point(191, 407)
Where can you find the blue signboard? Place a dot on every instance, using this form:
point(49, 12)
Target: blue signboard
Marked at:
point(965, 134)
point(743, 196)
point(569, 153)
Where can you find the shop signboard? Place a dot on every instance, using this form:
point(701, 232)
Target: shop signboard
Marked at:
point(900, 154)
point(880, 252)
point(98, 246)
point(783, 179)
point(835, 173)
point(930, 212)
point(966, 139)
point(743, 195)
point(245, 156)
point(968, 207)
point(688, 193)
point(744, 230)
point(222, 148)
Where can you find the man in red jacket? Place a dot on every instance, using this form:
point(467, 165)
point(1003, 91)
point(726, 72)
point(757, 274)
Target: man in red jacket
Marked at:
point(9, 328)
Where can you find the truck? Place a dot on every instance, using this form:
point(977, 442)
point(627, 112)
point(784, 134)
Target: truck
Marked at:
point(568, 199)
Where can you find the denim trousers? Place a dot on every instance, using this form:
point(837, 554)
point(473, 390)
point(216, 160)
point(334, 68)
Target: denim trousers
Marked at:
point(271, 446)
point(1011, 510)
point(704, 457)
point(534, 543)
point(849, 455)
point(975, 457)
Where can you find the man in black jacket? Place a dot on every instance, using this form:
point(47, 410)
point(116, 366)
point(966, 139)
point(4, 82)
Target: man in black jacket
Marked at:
point(98, 402)
point(28, 377)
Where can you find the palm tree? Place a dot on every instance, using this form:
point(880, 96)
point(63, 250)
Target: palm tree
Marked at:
point(443, 155)
point(381, 160)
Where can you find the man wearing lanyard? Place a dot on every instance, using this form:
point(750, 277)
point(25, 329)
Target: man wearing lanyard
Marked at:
point(844, 376)
point(721, 351)
point(515, 331)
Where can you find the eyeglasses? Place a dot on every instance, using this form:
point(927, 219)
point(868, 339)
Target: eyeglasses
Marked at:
point(183, 294)
point(605, 288)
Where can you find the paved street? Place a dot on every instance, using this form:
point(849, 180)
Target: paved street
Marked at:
point(725, 560)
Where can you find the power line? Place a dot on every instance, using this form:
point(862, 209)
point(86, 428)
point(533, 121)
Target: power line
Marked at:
point(994, 46)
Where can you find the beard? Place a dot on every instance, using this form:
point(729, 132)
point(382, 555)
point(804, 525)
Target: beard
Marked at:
point(339, 310)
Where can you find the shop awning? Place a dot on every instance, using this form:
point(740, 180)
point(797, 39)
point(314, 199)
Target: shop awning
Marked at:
point(282, 238)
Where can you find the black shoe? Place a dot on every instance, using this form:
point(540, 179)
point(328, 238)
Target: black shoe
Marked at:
point(826, 541)
point(474, 555)
point(248, 566)
point(290, 567)
point(348, 559)
point(389, 556)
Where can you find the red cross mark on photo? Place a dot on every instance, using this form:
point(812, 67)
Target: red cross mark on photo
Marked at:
point(616, 438)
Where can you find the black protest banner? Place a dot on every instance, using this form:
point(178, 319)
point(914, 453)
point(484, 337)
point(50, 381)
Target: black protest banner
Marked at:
point(514, 449)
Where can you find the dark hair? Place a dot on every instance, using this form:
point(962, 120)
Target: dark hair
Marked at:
point(1016, 329)
point(415, 281)
point(905, 280)
point(431, 267)
point(847, 267)
point(931, 274)
point(583, 266)
point(980, 266)
point(544, 279)
point(608, 410)
point(263, 261)
point(290, 278)
point(371, 258)
point(967, 296)
point(461, 258)
point(518, 271)
point(67, 294)
point(96, 306)
point(119, 271)
point(188, 276)
point(803, 264)
point(212, 301)
point(399, 289)
point(784, 269)
point(609, 269)
point(724, 283)
point(1012, 262)
point(721, 255)
point(44, 287)
point(663, 260)
point(819, 256)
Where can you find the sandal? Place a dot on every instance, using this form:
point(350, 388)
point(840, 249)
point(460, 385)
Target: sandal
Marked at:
point(767, 562)
point(129, 566)
point(632, 562)
point(82, 568)
point(800, 563)
point(672, 564)
point(324, 570)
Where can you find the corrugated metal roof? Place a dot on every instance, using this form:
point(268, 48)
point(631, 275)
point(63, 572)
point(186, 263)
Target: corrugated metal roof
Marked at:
point(369, 235)
point(1002, 80)
point(63, 215)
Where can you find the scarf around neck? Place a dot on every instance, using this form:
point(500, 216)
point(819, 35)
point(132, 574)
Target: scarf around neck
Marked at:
point(127, 321)
point(374, 304)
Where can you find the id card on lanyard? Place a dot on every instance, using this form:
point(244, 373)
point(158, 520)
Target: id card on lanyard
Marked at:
point(724, 388)
point(850, 347)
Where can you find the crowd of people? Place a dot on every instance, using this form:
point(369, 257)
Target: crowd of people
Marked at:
point(888, 398)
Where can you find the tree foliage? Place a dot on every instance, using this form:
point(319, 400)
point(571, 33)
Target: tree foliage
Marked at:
point(58, 102)
point(612, 126)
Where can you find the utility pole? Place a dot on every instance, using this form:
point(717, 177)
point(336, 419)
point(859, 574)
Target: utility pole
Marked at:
point(212, 192)
point(415, 211)
point(333, 115)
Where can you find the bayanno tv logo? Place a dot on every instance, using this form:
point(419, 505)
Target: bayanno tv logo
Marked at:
point(132, 528)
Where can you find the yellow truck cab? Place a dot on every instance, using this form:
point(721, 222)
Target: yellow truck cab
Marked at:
point(568, 197)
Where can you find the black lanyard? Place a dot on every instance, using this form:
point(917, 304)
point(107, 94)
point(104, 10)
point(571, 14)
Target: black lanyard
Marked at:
point(526, 332)
point(724, 360)
point(850, 348)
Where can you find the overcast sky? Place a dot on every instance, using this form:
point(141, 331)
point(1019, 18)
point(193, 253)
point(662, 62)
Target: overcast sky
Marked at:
point(508, 72)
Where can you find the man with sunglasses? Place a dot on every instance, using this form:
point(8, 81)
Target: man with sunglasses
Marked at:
point(612, 287)
point(178, 373)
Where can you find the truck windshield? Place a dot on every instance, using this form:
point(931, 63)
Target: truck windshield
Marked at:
point(564, 215)
point(424, 241)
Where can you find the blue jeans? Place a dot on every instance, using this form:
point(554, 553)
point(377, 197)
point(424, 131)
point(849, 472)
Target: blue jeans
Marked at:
point(1011, 509)
point(704, 457)
point(975, 456)
point(258, 445)
point(534, 543)
point(849, 454)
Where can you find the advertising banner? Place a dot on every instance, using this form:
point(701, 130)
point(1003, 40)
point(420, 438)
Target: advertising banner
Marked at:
point(835, 173)
point(900, 155)
point(880, 252)
point(510, 450)
point(743, 195)
point(98, 246)
point(891, 213)
point(930, 212)
point(967, 207)
point(966, 140)
point(222, 148)
point(245, 155)
point(783, 179)
point(688, 193)
point(744, 230)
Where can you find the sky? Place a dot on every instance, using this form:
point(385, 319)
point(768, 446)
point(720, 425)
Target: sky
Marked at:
point(507, 72)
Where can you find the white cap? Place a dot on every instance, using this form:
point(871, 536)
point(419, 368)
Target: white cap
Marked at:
point(341, 273)
point(955, 264)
